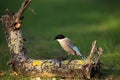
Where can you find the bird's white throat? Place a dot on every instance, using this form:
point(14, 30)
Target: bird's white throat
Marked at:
point(60, 40)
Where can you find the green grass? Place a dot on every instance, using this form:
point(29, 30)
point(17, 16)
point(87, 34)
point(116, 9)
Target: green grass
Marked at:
point(81, 20)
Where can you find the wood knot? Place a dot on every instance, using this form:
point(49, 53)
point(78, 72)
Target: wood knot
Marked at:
point(17, 24)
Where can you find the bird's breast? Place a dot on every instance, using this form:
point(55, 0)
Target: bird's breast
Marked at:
point(67, 48)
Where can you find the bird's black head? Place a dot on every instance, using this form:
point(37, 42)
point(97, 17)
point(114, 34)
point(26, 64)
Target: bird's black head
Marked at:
point(59, 37)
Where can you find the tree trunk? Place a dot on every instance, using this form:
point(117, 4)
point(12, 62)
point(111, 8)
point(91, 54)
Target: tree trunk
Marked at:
point(24, 65)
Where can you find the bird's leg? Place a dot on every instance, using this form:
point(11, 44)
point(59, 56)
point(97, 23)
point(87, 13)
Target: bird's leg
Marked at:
point(59, 58)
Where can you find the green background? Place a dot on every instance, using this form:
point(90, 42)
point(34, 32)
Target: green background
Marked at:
point(83, 21)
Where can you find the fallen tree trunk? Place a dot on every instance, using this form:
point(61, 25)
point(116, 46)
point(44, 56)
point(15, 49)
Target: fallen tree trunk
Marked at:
point(24, 65)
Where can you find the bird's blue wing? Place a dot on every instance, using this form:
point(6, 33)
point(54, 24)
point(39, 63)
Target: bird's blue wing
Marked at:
point(76, 50)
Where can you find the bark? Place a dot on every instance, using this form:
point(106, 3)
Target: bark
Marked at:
point(24, 65)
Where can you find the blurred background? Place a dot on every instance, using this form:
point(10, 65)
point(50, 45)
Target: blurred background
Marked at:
point(83, 21)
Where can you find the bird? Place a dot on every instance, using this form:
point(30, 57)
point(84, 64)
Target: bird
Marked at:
point(68, 45)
